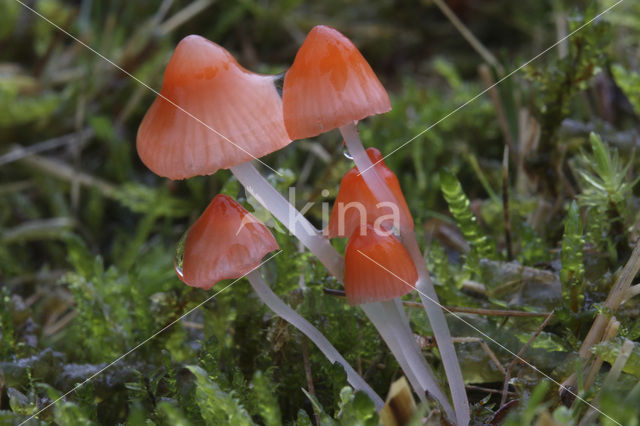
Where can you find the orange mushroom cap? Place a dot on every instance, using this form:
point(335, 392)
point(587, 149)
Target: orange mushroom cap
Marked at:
point(204, 80)
point(377, 267)
point(329, 85)
point(354, 197)
point(225, 242)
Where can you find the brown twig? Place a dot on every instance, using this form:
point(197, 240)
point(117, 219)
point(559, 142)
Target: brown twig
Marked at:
point(76, 149)
point(610, 331)
point(66, 172)
point(458, 309)
point(494, 312)
point(58, 36)
point(375, 364)
point(38, 229)
point(503, 411)
point(62, 322)
point(609, 381)
point(505, 202)
point(489, 82)
point(616, 295)
point(40, 276)
point(486, 55)
point(182, 16)
point(19, 152)
point(307, 373)
point(518, 357)
point(485, 348)
point(193, 325)
point(488, 390)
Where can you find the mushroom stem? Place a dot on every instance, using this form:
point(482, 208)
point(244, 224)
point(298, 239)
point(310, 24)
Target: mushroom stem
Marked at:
point(424, 285)
point(365, 167)
point(297, 224)
point(292, 317)
point(441, 332)
point(388, 317)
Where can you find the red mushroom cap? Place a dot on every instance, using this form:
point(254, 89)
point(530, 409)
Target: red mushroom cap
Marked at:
point(377, 267)
point(204, 80)
point(345, 217)
point(225, 242)
point(329, 85)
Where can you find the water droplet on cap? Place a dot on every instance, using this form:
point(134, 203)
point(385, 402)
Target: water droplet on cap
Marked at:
point(177, 262)
point(345, 151)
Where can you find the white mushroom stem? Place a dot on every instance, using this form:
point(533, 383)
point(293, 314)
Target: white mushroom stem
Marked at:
point(424, 286)
point(292, 317)
point(313, 239)
point(388, 317)
point(295, 222)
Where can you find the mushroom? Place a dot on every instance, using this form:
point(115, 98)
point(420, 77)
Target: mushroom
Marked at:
point(356, 205)
point(378, 271)
point(212, 113)
point(330, 85)
point(364, 284)
point(227, 242)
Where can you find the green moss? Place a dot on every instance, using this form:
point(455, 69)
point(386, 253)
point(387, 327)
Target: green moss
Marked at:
point(572, 272)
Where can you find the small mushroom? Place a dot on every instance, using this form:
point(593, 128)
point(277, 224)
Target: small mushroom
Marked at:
point(331, 85)
point(378, 271)
point(356, 205)
point(211, 114)
point(227, 242)
point(395, 272)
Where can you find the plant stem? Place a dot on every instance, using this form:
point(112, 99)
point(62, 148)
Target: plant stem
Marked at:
point(438, 322)
point(424, 286)
point(295, 222)
point(616, 296)
point(518, 357)
point(366, 169)
point(477, 45)
point(465, 309)
point(390, 323)
point(407, 341)
point(292, 317)
point(375, 313)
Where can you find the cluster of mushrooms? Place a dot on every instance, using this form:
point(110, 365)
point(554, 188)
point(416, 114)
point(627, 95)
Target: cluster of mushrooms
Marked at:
point(214, 114)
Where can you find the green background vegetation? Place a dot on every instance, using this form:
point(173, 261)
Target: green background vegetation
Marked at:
point(88, 234)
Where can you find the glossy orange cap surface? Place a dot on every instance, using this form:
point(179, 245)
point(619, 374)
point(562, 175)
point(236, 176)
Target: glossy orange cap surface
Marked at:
point(355, 200)
point(225, 242)
point(377, 268)
point(204, 80)
point(329, 85)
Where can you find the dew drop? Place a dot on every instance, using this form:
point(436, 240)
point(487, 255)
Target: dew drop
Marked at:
point(396, 233)
point(177, 262)
point(345, 151)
